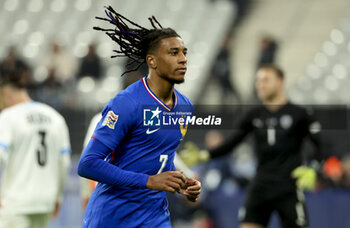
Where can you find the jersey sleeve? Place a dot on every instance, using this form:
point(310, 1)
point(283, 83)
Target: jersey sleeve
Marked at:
point(314, 126)
point(65, 146)
point(118, 117)
point(5, 131)
point(65, 160)
point(243, 128)
point(93, 166)
point(6, 136)
point(313, 130)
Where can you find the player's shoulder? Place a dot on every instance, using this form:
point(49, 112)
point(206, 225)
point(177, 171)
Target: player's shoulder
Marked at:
point(45, 108)
point(5, 114)
point(297, 109)
point(22, 109)
point(129, 97)
point(19, 109)
point(252, 111)
point(295, 106)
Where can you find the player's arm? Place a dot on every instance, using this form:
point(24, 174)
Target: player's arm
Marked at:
point(3, 159)
point(315, 138)
point(5, 138)
point(64, 164)
point(313, 130)
point(192, 155)
point(118, 118)
point(306, 175)
point(243, 128)
point(229, 144)
point(93, 166)
point(3, 155)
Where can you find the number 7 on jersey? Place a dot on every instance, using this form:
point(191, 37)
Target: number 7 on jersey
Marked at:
point(163, 159)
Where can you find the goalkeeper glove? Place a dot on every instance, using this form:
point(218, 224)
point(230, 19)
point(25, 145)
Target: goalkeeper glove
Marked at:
point(305, 178)
point(192, 155)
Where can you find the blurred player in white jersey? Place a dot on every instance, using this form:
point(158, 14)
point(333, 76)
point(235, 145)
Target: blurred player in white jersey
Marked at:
point(35, 152)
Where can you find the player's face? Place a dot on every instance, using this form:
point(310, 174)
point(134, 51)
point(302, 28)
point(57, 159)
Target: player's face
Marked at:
point(268, 84)
point(171, 59)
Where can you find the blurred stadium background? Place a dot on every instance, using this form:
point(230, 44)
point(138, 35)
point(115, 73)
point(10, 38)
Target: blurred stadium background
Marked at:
point(310, 39)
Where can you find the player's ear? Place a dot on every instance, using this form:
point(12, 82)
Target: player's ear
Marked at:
point(151, 61)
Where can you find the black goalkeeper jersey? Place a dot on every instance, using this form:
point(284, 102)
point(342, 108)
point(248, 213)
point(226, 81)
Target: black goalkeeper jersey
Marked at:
point(278, 140)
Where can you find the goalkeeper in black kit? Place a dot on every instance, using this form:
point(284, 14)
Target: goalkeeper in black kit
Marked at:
point(279, 129)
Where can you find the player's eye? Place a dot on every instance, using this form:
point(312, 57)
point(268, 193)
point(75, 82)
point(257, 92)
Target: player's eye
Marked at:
point(185, 53)
point(173, 53)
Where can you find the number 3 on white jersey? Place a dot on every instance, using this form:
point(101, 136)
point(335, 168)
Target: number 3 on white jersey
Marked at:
point(42, 149)
point(163, 159)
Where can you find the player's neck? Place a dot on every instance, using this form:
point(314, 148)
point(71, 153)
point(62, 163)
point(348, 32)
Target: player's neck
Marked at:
point(276, 103)
point(162, 89)
point(20, 97)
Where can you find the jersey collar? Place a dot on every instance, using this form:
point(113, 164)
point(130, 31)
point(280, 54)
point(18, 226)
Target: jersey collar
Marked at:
point(144, 82)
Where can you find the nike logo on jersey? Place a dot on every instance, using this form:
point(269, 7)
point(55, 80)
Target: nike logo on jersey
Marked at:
point(151, 131)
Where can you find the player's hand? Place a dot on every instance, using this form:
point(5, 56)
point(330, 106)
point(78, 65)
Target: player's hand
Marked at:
point(171, 181)
point(192, 189)
point(192, 155)
point(305, 178)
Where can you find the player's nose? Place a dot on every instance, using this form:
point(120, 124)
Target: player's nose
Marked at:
point(182, 58)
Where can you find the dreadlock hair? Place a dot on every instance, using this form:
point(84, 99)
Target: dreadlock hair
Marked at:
point(134, 41)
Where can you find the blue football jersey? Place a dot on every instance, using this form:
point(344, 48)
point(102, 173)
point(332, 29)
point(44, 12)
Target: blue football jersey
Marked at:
point(143, 135)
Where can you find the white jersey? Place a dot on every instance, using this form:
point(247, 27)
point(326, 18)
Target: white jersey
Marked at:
point(34, 141)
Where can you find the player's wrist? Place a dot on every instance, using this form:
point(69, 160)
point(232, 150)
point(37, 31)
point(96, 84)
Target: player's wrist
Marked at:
point(149, 183)
point(144, 180)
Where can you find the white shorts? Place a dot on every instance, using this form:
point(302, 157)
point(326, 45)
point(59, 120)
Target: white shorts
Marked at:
point(25, 221)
